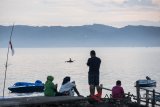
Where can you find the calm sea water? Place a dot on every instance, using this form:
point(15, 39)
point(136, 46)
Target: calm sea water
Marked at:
point(125, 64)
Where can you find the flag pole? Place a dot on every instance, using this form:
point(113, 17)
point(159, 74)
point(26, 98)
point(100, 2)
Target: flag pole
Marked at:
point(6, 65)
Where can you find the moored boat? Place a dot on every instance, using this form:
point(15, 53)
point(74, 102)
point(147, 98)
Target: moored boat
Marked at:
point(26, 87)
point(146, 83)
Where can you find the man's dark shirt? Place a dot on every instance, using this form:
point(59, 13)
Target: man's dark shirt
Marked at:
point(94, 65)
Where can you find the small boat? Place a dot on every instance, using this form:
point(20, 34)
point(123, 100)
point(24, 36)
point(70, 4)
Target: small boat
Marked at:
point(146, 83)
point(70, 60)
point(26, 87)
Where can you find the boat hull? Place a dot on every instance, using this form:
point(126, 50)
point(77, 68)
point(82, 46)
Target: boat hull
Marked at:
point(26, 89)
point(146, 83)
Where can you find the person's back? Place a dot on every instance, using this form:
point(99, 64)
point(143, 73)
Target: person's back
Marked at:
point(93, 73)
point(68, 88)
point(49, 87)
point(94, 64)
point(117, 91)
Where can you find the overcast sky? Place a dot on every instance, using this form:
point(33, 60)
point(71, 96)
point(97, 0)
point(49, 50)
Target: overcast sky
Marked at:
point(80, 12)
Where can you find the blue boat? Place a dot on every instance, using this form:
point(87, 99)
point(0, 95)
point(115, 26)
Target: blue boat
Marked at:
point(26, 87)
point(146, 83)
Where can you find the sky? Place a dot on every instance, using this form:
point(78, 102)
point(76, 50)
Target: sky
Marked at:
point(115, 13)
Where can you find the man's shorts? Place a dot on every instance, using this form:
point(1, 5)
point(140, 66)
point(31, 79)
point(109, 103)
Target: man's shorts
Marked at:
point(93, 79)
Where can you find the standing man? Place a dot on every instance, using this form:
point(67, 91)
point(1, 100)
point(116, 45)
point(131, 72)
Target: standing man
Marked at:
point(93, 74)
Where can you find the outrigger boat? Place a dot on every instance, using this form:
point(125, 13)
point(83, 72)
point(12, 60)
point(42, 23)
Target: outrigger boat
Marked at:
point(26, 87)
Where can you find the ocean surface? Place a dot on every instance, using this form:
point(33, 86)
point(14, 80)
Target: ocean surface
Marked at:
point(127, 64)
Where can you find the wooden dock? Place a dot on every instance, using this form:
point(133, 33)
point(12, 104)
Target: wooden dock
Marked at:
point(40, 101)
point(151, 97)
point(74, 101)
point(58, 101)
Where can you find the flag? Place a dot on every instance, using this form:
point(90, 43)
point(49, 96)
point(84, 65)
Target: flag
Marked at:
point(10, 43)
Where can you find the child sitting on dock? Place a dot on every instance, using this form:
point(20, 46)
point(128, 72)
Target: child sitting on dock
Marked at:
point(68, 88)
point(51, 88)
point(117, 91)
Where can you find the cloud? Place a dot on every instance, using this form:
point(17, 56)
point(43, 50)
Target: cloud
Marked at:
point(109, 1)
point(139, 2)
point(78, 12)
point(142, 3)
point(156, 2)
point(119, 1)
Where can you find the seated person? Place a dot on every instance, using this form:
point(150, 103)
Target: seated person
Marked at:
point(68, 88)
point(117, 91)
point(50, 89)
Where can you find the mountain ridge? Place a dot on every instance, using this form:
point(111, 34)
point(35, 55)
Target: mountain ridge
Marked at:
point(96, 35)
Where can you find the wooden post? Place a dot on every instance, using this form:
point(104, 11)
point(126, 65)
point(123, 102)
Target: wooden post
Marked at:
point(153, 99)
point(138, 93)
point(147, 98)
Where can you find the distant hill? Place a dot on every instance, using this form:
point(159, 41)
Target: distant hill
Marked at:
point(96, 35)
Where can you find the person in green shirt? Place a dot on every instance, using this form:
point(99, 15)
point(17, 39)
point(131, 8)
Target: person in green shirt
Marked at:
point(50, 88)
